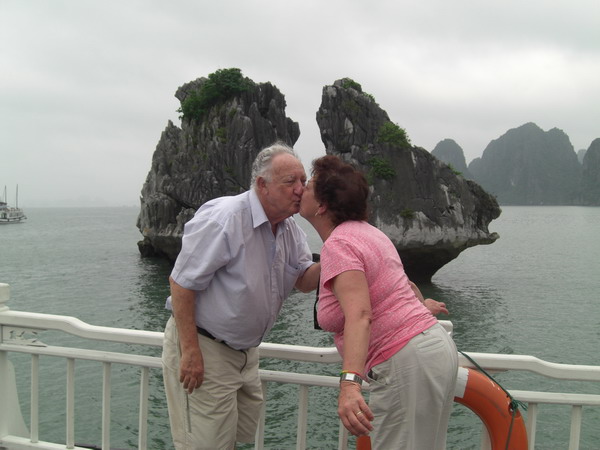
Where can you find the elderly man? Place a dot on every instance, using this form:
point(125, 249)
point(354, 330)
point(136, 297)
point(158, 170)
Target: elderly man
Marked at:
point(241, 257)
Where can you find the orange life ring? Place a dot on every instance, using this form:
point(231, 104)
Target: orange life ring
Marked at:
point(489, 401)
point(363, 443)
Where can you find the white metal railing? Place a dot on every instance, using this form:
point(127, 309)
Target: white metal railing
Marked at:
point(19, 334)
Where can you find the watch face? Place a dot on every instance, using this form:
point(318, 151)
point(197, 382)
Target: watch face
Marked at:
point(351, 377)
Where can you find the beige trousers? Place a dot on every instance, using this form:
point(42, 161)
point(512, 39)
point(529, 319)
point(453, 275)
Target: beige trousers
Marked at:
point(412, 393)
point(225, 409)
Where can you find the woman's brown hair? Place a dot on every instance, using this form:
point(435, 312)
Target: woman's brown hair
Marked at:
point(341, 187)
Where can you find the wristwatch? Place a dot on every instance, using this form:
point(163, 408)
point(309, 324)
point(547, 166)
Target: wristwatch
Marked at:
point(351, 377)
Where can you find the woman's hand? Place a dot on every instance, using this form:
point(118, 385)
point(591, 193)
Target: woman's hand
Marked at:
point(353, 410)
point(435, 307)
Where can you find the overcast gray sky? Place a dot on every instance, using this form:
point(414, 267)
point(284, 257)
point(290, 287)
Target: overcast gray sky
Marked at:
point(87, 87)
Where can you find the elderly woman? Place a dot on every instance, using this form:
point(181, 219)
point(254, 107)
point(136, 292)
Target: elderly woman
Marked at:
point(385, 334)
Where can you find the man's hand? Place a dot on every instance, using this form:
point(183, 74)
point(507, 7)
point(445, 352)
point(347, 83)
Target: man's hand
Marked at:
point(191, 363)
point(191, 370)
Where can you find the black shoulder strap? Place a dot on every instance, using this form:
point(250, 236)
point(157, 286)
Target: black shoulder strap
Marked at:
point(317, 327)
point(316, 258)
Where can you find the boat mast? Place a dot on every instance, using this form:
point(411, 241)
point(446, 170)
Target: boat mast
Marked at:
point(17, 197)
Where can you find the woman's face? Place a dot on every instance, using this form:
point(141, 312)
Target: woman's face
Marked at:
point(309, 205)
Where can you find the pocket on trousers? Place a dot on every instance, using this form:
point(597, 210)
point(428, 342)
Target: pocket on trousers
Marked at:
point(430, 345)
point(376, 378)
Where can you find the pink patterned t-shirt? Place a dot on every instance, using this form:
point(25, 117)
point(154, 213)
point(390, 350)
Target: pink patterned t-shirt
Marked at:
point(397, 314)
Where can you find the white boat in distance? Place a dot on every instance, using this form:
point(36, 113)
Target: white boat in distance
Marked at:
point(10, 214)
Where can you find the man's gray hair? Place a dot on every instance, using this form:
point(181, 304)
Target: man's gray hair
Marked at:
point(262, 164)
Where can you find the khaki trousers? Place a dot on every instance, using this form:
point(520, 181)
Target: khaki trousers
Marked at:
point(226, 408)
point(412, 393)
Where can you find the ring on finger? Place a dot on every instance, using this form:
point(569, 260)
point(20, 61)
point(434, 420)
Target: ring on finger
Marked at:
point(359, 413)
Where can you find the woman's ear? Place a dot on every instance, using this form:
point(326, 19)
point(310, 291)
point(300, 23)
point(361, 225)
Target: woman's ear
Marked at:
point(322, 209)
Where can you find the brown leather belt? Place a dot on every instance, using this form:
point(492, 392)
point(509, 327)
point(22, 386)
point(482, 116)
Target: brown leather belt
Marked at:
point(203, 332)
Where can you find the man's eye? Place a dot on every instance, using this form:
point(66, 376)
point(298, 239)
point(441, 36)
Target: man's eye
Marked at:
point(293, 181)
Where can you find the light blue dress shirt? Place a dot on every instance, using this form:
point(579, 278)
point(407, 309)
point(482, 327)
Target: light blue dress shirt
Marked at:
point(240, 271)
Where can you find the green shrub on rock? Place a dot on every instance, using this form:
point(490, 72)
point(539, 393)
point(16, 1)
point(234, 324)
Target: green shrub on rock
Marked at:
point(381, 168)
point(391, 133)
point(407, 213)
point(219, 87)
point(350, 83)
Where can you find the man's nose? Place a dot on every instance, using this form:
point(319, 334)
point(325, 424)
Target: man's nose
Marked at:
point(299, 188)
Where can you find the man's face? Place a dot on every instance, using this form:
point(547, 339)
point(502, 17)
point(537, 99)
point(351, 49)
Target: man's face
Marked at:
point(281, 194)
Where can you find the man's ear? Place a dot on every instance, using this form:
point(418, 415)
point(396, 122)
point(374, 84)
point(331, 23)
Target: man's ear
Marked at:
point(261, 182)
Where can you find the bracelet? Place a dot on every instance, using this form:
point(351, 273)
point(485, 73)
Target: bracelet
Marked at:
point(351, 376)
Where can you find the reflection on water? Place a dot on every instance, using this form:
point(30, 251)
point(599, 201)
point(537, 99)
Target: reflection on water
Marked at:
point(151, 290)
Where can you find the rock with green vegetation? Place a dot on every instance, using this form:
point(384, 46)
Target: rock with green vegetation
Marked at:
point(218, 88)
point(226, 119)
point(430, 213)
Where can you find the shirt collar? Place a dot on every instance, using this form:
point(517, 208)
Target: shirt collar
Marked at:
point(258, 212)
point(259, 216)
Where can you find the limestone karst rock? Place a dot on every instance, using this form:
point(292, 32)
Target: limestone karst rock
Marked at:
point(430, 213)
point(452, 154)
point(530, 166)
point(207, 158)
point(590, 177)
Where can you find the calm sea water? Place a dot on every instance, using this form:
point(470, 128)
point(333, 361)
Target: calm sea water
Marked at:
point(535, 291)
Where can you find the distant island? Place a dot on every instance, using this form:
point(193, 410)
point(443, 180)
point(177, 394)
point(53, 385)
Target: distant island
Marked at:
point(530, 166)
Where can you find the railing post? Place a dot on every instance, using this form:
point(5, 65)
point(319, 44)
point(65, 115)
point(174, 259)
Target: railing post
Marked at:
point(532, 413)
point(486, 444)
point(106, 394)
point(143, 417)
point(70, 437)
point(11, 420)
point(576, 417)
point(302, 417)
point(259, 441)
